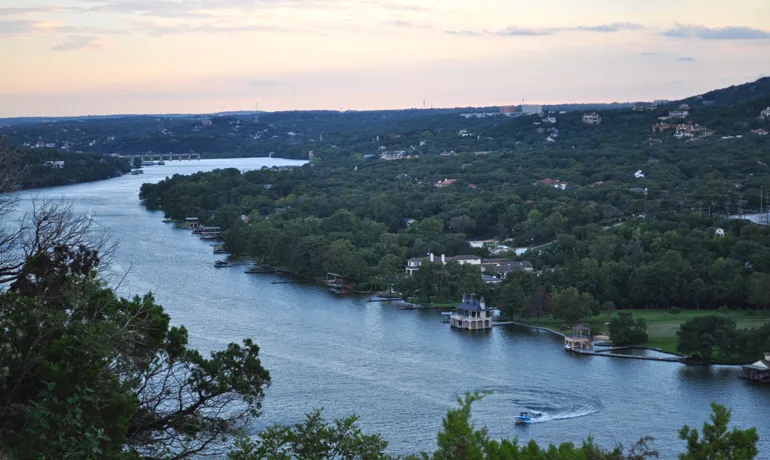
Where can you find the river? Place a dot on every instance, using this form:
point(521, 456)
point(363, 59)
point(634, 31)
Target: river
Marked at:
point(399, 370)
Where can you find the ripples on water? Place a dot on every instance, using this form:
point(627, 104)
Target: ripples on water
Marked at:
point(399, 370)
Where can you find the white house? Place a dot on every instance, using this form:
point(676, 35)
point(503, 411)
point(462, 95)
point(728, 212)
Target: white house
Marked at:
point(639, 174)
point(678, 114)
point(592, 118)
point(54, 164)
point(765, 113)
point(719, 232)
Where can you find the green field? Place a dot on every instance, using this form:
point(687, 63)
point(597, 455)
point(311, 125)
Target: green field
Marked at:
point(662, 325)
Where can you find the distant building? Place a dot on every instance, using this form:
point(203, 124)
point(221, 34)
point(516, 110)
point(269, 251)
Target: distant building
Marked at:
point(684, 106)
point(508, 109)
point(719, 232)
point(642, 106)
point(451, 153)
point(765, 113)
point(445, 182)
point(639, 174)
point(54, 164)
point(678, 114)
point(760, 131)
point(206, 122)
point(653, 141)
point(530, 109)
point(691, 129)
point(551, 120)
point(661, 127)
point(472, 314)
point(580, 339)
point(592, 118)
point(552, 183)
point(759, 371)
point(192, 223)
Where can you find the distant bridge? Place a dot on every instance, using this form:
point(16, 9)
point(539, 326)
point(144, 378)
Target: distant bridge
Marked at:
point(162, 156)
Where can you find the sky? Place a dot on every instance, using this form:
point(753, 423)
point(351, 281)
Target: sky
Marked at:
point(85, 57)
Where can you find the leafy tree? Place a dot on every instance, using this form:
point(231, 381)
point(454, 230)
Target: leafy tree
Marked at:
point(759, 290)
point(571, 305)
point(625, 331)
point(716, 441)
point(314, 440)
point(101, 373)
point(707, 336)
point(609, 308)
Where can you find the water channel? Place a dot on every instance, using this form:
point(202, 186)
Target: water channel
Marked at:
point(399, 370)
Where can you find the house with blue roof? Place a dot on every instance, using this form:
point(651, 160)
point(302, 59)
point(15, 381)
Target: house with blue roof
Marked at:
point(472, 314)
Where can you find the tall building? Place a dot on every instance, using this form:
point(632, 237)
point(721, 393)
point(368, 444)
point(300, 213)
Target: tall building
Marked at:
point(508, 109)
point(531, 109)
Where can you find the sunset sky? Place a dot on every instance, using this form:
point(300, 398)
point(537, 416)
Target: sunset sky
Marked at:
point(78, 57)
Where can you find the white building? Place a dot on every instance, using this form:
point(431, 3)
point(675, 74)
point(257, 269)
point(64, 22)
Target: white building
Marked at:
point(472, 314)
point(678, 114)
point(592, 118)
point(765, 113)
point(531, 109)
point(54, 164)
point(639, 174)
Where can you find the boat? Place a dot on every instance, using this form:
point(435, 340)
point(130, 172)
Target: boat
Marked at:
point(445, 316)
point(524, 418)
point(219, 251)
point(136, 172)
point(407, 307)
point(221, 264)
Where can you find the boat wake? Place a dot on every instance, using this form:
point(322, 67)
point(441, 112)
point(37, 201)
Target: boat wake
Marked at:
point(545, 405)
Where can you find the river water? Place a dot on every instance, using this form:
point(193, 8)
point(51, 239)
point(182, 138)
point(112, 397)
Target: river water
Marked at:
point(399, 370)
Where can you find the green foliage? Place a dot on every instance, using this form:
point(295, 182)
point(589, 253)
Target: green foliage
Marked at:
point(716, 441)
point(571, 305)
point(78, 167)
point(675, 310)
point(313, 440)
point(98, 375)
point(708, 336)
point(625, 331)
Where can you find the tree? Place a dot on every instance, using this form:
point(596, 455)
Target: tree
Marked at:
point(571, 305)
point(110, 374)
point(625, 331)
point(706, 336)
point(609, 308)
point(313, 439)
point(717, 442)
point(759, 293)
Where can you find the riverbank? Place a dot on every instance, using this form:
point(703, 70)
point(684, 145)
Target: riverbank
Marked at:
point(661, 325)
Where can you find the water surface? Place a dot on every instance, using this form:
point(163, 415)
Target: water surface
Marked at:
point(399, 370)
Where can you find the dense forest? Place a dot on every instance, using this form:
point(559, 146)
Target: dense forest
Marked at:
point(47, 168)
point(635, 224)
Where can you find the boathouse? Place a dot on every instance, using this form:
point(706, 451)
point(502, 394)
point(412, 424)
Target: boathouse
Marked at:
point(472, 314)
point(191, 223)
point(759, 371)
point(580, 339)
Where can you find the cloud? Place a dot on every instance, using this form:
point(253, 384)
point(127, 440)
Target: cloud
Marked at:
point(717, 33)
point(75, 43)
point(533, 32)
point(686, 59)
point(18, 27)
point(265, 83)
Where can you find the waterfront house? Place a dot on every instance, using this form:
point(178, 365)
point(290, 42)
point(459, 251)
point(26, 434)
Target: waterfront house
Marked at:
point(580, 339)
point(472, 314)
point(552, 183)
point(592, 118)
point(191, 223)
point(757, 372)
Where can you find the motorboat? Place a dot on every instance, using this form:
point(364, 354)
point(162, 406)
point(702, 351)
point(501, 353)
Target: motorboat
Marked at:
point(221, 264)
point(524, 418)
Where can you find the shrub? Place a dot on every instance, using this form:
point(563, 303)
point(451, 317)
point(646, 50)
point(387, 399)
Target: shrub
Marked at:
point(723, 309)
point(675, 310)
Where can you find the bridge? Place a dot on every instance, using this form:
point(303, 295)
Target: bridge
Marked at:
point(162, 156)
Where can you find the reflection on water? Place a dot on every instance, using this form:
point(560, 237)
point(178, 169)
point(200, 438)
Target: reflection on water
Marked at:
point(399, 370)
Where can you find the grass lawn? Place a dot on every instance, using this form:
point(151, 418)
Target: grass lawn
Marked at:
point(662, 325)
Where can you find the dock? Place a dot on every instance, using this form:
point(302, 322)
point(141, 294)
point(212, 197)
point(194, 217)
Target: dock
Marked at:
point(618, 355)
